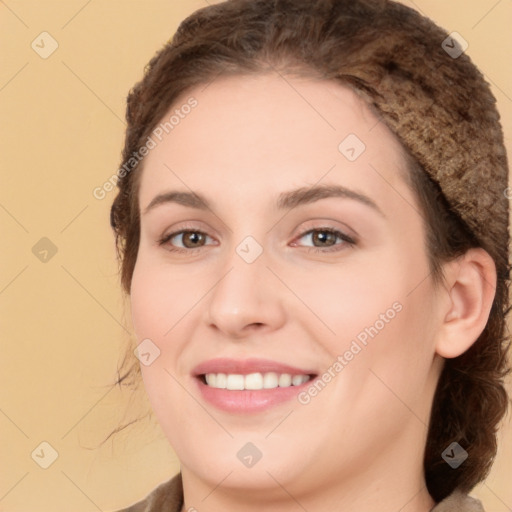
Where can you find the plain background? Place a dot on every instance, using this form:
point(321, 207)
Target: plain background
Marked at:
point(63, 322)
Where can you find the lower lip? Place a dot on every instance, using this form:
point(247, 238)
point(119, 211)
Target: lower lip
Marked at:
point(246, 401)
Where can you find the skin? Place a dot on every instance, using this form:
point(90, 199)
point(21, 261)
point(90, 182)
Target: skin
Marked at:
point(358, 444)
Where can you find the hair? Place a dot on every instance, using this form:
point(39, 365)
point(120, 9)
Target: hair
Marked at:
point(346, 41)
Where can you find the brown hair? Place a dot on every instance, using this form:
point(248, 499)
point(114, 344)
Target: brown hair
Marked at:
point(392, 57)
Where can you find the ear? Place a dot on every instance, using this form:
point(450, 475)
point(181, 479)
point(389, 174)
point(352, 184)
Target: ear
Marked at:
point(470, 287)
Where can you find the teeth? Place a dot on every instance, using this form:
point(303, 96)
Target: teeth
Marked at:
point(221, 380)
point(297, 380)
point(235, 382)
point(270, 380)
point(285, 380)
point(211, 379)
point(254, 381)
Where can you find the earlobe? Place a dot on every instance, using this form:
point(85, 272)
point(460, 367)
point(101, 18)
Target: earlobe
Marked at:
point(471, 287)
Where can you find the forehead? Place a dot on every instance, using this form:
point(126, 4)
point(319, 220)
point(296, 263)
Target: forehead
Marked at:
point(260, 131)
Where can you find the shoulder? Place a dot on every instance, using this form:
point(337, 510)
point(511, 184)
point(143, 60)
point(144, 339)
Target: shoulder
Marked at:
point(167, 496)
point(459, 502)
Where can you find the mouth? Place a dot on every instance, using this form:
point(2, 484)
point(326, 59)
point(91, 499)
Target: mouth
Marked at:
point(251, 385)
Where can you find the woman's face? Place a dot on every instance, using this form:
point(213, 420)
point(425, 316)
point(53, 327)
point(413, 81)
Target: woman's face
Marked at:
point(318, 346)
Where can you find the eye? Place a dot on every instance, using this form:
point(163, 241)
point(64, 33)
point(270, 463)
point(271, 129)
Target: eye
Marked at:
point(327, 236)
point(192, 239)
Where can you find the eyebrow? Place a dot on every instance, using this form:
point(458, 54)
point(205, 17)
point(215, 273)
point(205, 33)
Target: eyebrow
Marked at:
point(286, 200)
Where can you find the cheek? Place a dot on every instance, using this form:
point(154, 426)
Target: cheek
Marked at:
point(164, 308)
point(384, 306)
point(159, 298)
point(146, 300)
point(351, 299)
point(398, 354)
point(156, 308)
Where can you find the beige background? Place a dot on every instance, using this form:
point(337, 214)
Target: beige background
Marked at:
point(62, 321)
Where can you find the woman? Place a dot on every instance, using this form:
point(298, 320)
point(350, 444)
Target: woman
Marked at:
point(312, 225)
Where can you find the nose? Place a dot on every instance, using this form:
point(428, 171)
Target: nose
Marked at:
point(248, 299)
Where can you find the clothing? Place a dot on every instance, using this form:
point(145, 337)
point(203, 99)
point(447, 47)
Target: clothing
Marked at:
point(168, 497)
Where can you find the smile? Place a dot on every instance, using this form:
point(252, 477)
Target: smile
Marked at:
point(250, 385)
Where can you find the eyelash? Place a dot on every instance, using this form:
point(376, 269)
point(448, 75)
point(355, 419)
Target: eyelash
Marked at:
point(348, 240)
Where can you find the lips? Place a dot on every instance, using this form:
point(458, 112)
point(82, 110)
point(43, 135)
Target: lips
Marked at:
point(249, 385)
point(246, 366)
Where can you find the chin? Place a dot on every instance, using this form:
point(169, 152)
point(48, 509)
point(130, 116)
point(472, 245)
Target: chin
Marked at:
point(244, 467)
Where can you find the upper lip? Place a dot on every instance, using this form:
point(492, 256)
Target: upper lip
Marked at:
point(246, 366)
